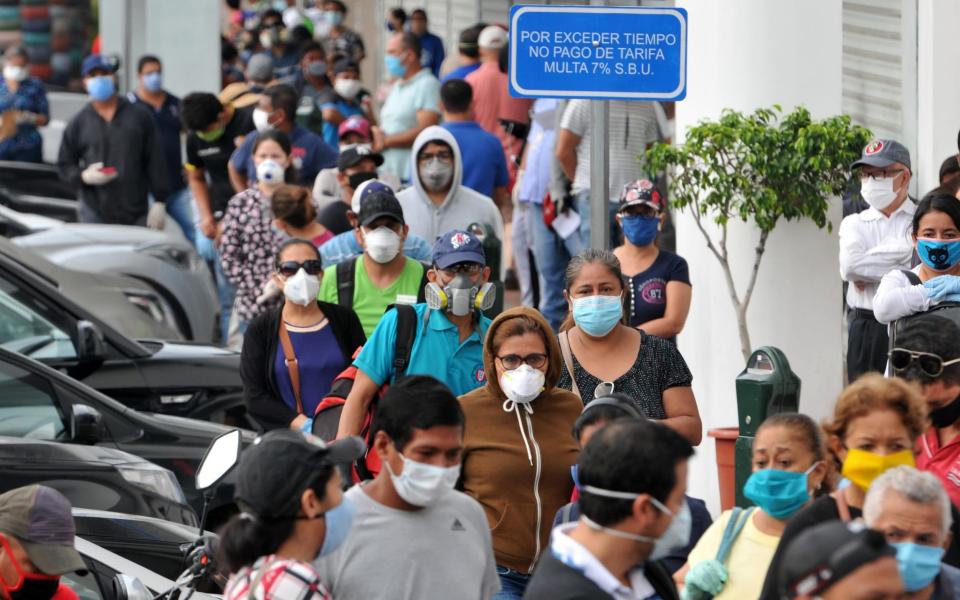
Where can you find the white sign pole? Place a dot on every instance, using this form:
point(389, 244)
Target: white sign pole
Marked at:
point(599, 173)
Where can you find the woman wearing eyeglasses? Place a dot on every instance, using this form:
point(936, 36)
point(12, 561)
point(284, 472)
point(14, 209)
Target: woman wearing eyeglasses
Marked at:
point(603, 355)
point(292, 354)
point(517, 446)
point(936, 237)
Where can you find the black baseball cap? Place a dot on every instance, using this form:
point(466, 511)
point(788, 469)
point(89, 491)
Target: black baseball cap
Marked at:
point(278, 467)
point(352, 155)
point(380, 204)
point(41, 519)
point(825, 554)
point(343, 65)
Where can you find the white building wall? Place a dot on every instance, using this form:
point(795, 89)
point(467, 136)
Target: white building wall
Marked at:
point(743, 55)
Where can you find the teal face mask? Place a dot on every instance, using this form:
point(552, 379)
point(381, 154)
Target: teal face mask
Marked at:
point(394, 65)
point(597, 315)
point(778, 493)
point(918, 565)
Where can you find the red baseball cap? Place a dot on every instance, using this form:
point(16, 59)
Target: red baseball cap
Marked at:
point(354, 124)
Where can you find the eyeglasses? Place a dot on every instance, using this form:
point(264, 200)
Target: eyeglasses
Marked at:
point(444, 156)
point(604, 388)
point(513, 361)
point(289, 268)
point(465, 267)
point(878, 175)
point(931, 364)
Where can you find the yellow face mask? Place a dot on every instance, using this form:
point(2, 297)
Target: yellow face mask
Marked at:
point(862, 467)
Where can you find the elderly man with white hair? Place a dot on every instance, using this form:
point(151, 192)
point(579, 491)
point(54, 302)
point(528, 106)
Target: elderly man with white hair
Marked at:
point(912, 509)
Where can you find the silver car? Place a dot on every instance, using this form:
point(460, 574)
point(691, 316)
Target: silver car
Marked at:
point(163, 260)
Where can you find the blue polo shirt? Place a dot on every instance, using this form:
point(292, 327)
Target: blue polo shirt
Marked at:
point(484, 164)
point(437, 351)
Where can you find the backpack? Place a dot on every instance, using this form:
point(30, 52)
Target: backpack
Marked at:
point(346, 282)
point(326, 419)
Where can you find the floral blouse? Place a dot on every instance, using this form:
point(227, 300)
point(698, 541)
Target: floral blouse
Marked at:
point(29, 97)
point(248, 245)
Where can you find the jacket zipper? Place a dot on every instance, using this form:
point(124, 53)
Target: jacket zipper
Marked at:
point(536, 490)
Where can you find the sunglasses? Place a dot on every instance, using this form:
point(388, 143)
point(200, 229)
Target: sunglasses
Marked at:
point(469, 268)
point(931, 364)
point(289, 268)
point(513, 361)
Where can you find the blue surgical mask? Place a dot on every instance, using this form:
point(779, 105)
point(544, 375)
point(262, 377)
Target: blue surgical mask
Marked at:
point(317, 68)
point(919, 565)
point(676, 536)
point(640, 231)
point(394, 65)
point(597, 315)
point(153, 82)
point(939, 255)
point(338, 519)
point(778, 493)
point(333, 17)
point(101, 88)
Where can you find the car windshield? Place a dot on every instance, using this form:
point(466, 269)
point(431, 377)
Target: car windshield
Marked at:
point(25, 331)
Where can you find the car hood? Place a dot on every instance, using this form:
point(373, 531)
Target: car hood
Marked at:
point(21, 451)
point(67, 235)
point(187, 365)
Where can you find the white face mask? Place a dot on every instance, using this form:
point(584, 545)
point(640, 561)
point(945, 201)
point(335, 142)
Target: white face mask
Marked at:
point(347, 88)
point(15, 73)
point(270, 172)
point(523, 384)
point(878, 193)
point(382, 244)
point(436, 175)
point(301, 288)
point(420, 484)
point(261, 120)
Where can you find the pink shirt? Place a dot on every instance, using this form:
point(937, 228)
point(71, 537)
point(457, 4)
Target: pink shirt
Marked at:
point(944, 462)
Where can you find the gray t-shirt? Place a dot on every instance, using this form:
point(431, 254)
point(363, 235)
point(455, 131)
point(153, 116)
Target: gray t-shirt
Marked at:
point(443, 552)
point(633, 126)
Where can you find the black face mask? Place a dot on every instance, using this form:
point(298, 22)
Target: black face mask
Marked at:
point(36, 589)
point(946, 416)
point(357, 178)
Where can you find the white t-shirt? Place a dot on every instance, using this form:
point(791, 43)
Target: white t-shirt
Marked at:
point(632, 126)
point(443, 552)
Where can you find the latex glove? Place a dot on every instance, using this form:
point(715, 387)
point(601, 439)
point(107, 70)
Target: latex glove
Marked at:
point(157, 216)
point(94, 175)
point(307, 426)
point(940, 287)
point(270, 291)
point(706, 578)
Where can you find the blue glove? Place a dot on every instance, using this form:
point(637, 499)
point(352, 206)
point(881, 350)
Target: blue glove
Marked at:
point(704, 579)
point(307, 426)
point(940, 287)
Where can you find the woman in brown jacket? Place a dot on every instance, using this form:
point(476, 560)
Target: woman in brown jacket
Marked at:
point(518, 445)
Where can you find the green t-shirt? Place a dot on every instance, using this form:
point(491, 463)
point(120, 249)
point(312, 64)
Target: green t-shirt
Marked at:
point(369, 301)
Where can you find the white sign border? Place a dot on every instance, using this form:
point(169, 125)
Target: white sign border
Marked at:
point(521, 10)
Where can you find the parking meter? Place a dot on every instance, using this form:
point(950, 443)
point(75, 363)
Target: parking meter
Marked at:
point(765, 387)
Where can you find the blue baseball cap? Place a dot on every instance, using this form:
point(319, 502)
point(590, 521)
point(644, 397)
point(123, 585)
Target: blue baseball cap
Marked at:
point(365, 189)
point(99, 61)
point(456, 247)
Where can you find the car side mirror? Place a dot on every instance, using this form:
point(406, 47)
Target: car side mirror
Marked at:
point(127, 587)
point(86, 424)
point(90, 345)
point(222, 455)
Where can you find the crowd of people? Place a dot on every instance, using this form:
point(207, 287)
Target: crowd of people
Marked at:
point(360, 240)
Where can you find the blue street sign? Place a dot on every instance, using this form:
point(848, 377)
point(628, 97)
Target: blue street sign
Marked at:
point(600, 52)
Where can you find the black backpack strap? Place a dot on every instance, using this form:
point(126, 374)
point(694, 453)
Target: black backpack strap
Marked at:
point(422, 290)
point(406, 334)
point(346, 281)
point(912, 277)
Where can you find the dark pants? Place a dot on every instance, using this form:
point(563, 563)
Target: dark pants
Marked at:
point(867, 344)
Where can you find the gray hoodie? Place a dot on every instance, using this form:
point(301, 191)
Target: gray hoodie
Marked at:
point(460, 208)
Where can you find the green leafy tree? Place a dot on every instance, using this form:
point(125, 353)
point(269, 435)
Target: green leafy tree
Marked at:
point(759, 168)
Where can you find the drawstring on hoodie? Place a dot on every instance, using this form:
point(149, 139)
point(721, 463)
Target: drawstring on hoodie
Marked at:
point(511, 406)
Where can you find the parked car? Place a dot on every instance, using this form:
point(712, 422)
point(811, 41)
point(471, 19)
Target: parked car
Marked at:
point(89, 476)
point(160, 546)
point(112, 577)
point(165, 261)
point(41, 403)
point(37, 188)
point(40, 320)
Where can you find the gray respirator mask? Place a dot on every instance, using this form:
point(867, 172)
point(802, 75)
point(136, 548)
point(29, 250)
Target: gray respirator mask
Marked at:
point(460, 296)
point(436, 175)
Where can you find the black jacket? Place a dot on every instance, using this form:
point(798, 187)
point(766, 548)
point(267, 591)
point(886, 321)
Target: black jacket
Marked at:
point(260, 346)
point(554, 580)
point(129, 143)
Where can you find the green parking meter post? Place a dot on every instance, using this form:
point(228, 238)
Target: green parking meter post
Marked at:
point(765, 387)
